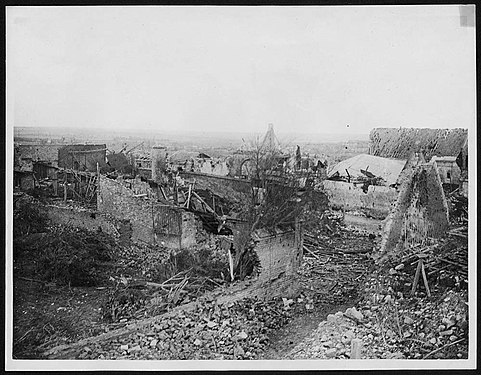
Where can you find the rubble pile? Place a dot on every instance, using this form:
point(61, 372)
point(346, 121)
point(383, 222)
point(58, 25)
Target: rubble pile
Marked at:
point(393, 327)
point(234, 330)
point(336, 264)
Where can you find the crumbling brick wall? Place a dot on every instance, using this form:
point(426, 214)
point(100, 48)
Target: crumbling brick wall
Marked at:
point(376, 202)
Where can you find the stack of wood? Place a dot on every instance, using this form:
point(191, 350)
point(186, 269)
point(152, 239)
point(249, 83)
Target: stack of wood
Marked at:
point(449, 255)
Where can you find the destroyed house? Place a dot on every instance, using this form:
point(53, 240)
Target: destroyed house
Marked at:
point(362, 167)
point(82, 157)
point(448, 169)
point(45, 153)
point(364, 183)
point(198, 162)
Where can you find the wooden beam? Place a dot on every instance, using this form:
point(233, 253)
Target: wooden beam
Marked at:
point(208, 208)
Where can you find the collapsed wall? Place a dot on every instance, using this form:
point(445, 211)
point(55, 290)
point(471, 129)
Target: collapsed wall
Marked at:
point(420, 212)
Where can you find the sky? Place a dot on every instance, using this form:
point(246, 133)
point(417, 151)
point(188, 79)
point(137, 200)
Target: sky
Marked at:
point(304, 69)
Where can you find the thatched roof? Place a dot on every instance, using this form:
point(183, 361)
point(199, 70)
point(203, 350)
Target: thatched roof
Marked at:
point(400, 143)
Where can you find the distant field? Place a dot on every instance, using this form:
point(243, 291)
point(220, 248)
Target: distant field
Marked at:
point(331, 147)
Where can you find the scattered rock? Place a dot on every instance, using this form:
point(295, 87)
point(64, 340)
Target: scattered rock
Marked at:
point(330, 353)
point(353, 313)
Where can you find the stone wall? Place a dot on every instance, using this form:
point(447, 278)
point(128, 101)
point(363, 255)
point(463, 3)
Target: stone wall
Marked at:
point(152, 222)
point(376, 203)
point(87, 219)
point(37, 152)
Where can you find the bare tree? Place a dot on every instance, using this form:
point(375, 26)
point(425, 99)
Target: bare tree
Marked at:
point(273, 202)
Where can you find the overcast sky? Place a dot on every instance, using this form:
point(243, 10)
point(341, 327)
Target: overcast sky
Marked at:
point(304, 69)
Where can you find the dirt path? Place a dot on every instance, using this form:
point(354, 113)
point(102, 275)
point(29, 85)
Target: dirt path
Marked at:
point(296, 331)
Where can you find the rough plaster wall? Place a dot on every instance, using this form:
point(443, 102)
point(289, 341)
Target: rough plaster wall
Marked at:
point(393, 226)
point(278, 256)
point(421, 210)
point(376, 203)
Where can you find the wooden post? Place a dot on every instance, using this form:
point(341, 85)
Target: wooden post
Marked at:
point(188, 196)
point(425, 279)
point(356, 348)
point(420, 270)
point(65, 186)
point(416, 277)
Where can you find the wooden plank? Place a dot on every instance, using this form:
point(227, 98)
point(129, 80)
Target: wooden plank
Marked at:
point(310, 252)
point(416, 277)
point(208, 208)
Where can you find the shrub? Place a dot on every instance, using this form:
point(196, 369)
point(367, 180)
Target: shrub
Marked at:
point(72, 256)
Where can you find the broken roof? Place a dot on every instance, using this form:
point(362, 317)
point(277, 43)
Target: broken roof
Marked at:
point(387, 169)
